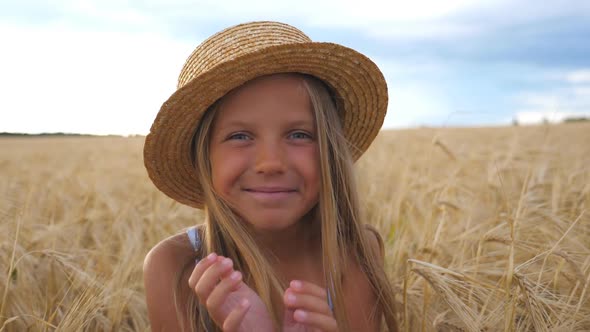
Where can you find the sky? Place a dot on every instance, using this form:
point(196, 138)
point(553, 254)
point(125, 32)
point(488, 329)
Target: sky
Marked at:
point(106, 66)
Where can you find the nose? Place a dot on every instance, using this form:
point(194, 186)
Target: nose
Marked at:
point(270, 158)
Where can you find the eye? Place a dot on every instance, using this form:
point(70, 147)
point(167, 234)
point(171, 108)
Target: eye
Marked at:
point(238, 136)
point(300, 135)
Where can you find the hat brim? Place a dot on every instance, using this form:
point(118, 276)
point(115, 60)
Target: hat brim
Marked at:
point(358, 84)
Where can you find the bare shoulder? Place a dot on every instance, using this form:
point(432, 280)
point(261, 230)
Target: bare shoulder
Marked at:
point(362, 305)
point(161, 268)
point(375, 240)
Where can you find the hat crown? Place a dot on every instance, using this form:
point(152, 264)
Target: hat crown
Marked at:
point(236, 41)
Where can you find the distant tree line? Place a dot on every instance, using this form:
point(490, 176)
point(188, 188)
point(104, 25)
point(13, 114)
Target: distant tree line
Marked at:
point(40, 134)
point(577, 119)
point(5, 134)
point(566, 120)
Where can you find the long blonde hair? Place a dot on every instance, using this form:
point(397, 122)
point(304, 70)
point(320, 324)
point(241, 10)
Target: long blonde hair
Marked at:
point(342, 233)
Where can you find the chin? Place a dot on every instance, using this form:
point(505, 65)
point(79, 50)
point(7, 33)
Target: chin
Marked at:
point(271, 221)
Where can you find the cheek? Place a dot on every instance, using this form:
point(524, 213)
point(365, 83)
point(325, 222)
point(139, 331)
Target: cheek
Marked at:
point(216, 179)
point(218, 171)
point(310, 166)
point(225, 170)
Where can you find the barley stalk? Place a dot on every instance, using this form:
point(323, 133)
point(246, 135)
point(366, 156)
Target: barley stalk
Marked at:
point(490, 234)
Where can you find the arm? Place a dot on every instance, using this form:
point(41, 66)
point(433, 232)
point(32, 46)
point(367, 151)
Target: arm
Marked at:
point(160, 267)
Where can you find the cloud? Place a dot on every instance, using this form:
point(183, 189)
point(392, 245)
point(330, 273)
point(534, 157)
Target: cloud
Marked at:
point(460, 30)
point(57, 79)
point(372, 17)
point(578, 76)
point(106, 66)
point(413, 100)
point(570, 97)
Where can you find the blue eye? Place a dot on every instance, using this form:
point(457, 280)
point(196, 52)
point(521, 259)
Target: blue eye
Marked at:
point(300, 135)
point(239, 136)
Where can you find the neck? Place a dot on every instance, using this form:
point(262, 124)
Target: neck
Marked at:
point(293, 243)
point(295, 252)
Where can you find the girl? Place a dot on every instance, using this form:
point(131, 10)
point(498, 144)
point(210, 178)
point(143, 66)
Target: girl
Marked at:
point(262, 135)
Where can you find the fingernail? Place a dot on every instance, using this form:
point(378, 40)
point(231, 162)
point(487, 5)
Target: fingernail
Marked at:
point(291, 298)
point(300, 315)
point(197, 261)
point(236, 275)
point(212, 256)
point(296, 284)
point(226, 262)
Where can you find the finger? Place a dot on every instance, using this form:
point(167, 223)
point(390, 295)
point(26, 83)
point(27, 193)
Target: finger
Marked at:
point(222, 289)
point(306, 302)
point(300, 286)
point(319, 321)
point(235, 317)
point(211, 277)
point(220, 259)
point(200, 267)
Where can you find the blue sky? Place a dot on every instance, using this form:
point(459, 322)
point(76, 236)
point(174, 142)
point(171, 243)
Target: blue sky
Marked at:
point(105, 67)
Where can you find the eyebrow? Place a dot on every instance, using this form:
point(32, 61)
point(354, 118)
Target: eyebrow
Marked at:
point(241, 123)
point(301, 123)
point(235, 123)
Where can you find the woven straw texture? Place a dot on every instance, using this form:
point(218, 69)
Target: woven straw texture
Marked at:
point(237, 55)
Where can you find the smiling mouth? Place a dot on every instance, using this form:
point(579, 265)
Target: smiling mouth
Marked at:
point(270, 191)
point(270, 194)
point(273, 190)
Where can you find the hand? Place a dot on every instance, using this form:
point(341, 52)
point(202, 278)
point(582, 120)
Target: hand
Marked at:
point(307, 308)
point(231, 304)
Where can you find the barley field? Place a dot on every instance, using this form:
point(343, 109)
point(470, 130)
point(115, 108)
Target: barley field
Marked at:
point(486, 229)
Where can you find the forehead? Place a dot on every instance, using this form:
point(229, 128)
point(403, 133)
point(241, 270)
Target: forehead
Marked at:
point(283, 95)
point(285, 82)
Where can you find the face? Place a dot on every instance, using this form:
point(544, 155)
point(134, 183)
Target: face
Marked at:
point(264, 152)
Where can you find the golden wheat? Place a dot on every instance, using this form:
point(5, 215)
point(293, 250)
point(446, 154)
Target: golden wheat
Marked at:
point(487, 229)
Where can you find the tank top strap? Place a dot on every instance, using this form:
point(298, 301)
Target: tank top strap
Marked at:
point(194, 238)
point(330, 302)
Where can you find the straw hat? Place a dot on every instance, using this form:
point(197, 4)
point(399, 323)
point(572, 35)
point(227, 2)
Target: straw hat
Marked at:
point(237, 55)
